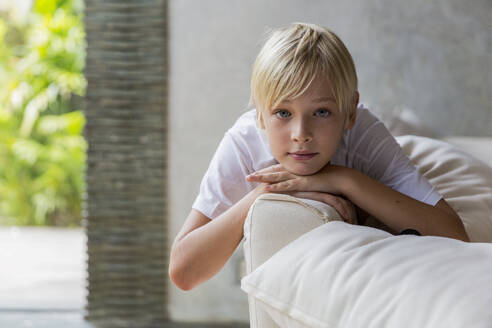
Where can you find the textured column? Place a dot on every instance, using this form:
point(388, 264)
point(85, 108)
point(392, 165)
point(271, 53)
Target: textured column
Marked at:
point(126, 113)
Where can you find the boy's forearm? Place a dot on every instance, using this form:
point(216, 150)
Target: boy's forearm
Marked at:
point(397, 210)
point(205, 250)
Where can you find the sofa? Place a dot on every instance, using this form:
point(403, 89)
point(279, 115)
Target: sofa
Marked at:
point(305, 267)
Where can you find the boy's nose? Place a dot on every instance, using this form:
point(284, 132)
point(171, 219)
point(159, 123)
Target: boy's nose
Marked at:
point(301, 138)
point(301, 134)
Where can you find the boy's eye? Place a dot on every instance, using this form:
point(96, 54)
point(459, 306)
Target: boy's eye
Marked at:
point(282, 113)
point(322, 112)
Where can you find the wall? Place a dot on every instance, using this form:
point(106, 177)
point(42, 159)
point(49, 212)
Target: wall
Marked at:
point(430, 56)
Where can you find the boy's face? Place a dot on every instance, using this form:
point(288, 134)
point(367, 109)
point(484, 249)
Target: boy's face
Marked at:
point(304, 133)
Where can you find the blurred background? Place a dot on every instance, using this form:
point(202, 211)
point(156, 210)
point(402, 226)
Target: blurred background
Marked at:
point(42, 159)
point(42, 57)
point(110, 112)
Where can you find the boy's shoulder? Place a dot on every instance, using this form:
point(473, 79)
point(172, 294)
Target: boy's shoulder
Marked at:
point(367, 124)
point(248, 136)
point(363, 121)
point(364, 116)
point(361, 139)
point(247, 118)
point(245, 125)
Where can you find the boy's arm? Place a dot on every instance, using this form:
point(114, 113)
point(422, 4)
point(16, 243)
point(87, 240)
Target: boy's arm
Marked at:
point(203, 246)
point(392, 208)
point(399, 211)
point(366, 220)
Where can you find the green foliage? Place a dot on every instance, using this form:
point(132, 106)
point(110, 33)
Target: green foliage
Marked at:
point(42, 151)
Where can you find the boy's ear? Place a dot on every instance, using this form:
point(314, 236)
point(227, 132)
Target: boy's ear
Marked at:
point(351, 120)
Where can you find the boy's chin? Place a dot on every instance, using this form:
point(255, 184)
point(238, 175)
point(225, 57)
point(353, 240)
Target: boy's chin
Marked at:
point(302, 169)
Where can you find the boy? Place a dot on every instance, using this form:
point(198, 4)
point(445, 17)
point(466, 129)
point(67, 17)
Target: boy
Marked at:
point(308, 137)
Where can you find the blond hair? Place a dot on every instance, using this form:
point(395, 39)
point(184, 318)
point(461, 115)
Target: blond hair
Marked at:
point(292, 58)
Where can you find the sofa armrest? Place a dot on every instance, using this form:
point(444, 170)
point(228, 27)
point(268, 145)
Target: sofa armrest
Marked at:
point(273, 221)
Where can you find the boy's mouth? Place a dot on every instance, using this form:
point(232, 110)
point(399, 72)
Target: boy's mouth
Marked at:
point(302, 155)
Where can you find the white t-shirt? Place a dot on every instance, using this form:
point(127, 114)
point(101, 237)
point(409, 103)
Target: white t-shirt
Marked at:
point(368, 147)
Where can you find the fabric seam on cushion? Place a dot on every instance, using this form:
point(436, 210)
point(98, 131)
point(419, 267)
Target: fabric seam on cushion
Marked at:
point(285, 198)
point(262, 294)
point(251, 258)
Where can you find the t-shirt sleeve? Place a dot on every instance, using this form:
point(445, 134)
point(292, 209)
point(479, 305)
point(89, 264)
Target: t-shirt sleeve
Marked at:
point(380, 156)
point(224, 182)
point(403, 176)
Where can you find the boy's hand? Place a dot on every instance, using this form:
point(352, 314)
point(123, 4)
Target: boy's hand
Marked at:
point(329, 179)
point(314, 187)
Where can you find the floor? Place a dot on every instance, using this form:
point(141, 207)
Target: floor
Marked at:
point(43, 277)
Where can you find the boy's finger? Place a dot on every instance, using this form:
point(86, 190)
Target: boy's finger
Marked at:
point(339, 205)
point(288, 185)
point(270, 169)
point(270, 177)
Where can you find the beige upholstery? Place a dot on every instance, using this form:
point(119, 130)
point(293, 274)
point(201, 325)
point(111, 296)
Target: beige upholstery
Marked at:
point(266, 231)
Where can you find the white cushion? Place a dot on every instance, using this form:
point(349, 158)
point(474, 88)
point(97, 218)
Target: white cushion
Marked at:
point(478, 147)
point(342, 275)
point(464, 181)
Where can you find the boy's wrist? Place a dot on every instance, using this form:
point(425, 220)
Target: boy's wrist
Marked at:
point(337, 180)
point(253, 195)
point(348, 180)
